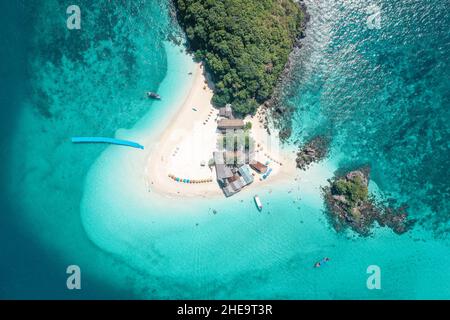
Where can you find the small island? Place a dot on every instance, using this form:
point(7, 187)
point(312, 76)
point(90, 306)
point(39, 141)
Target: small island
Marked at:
point(349, 204)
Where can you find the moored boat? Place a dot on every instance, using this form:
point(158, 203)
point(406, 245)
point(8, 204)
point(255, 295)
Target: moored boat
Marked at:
point(258, 203)
point(153, 95)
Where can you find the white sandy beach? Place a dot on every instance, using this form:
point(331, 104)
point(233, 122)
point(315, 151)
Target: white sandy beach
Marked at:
point(187, 144)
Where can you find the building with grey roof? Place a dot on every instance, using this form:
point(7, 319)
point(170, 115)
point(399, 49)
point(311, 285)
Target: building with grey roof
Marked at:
point(245, 173)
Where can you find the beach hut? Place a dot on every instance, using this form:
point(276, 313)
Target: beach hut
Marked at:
point(258, 166)
point(230, 124)
point(226, 112)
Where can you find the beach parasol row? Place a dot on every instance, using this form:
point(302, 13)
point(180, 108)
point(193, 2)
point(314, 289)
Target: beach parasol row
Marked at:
point(191, 181)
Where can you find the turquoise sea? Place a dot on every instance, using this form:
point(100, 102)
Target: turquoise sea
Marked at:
point(381, 94)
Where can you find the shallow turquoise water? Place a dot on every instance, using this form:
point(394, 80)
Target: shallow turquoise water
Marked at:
point(87, 82)
point(381, 94)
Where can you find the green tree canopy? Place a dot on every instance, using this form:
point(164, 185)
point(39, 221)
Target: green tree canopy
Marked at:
point(244, 43)
point(354, 190)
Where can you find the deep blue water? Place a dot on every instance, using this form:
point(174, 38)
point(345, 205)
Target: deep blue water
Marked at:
point(49, 80)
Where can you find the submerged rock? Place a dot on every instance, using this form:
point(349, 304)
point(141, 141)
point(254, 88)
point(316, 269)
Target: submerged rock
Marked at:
point(349, 205)
point(313, 151)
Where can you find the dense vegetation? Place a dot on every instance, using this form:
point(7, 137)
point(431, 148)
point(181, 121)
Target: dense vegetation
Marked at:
point(354, 190)
point(244, 43)
point(349, 205)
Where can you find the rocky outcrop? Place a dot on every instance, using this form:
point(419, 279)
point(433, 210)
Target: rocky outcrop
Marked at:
point(313, 151)
point(349, 205)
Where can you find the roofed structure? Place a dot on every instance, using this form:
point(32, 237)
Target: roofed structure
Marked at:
point(246, 175)
point(222, 171)
point(226, 112)
point(237, 184)
point(258, 166)
point(225, 124)
point(228, 191)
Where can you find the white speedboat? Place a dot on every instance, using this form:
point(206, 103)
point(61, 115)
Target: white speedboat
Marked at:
point(258, 203)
